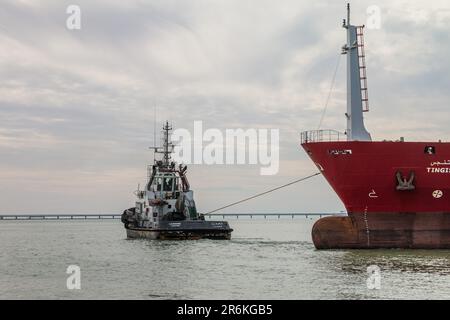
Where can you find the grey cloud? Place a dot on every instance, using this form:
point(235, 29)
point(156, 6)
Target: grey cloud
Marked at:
point(88, 96)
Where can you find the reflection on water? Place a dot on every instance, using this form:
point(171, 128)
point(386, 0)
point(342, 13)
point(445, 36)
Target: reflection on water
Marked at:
point(266, 259)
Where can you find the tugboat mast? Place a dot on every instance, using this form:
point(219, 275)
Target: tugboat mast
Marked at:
point(167, 144)
point(167, 147)
point(356, 82)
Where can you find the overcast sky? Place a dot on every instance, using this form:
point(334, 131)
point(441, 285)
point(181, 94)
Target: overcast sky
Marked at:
point(77, 106)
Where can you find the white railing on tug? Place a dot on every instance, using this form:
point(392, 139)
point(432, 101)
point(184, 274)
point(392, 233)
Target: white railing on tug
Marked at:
point(322, 136)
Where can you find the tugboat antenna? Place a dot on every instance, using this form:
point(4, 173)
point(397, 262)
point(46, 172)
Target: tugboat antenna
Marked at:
point(348, 13)
point(154, 125)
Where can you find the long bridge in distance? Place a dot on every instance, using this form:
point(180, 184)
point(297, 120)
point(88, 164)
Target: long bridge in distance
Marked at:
point(117, 216)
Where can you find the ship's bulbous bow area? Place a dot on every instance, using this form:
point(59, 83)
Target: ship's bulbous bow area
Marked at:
point(429, 230)
point(334, 232)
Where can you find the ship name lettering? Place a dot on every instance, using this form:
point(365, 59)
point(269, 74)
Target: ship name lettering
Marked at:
point(335, 152)
point(438, 170)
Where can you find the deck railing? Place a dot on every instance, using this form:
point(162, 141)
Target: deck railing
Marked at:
point(322, 136)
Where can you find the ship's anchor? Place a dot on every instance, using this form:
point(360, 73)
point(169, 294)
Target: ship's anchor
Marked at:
point(404, 184)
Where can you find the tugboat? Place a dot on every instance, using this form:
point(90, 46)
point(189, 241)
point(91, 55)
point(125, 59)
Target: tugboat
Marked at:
point(166, 208)
point(397, 193)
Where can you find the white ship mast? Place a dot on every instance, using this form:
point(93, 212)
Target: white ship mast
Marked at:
point(356, 82)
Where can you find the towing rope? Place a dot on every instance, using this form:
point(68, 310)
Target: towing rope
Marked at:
point(263, 193)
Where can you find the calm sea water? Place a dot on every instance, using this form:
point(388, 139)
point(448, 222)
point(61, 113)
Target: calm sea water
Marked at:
point(266, 259)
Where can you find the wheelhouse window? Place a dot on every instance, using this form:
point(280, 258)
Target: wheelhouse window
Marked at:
point(168, 183)
point(158, 183)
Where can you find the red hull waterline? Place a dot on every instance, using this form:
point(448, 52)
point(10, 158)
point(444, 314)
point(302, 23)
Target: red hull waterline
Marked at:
point(397, 194)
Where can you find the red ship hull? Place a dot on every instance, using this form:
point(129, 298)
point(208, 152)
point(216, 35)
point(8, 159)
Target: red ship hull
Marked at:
point(397, 194)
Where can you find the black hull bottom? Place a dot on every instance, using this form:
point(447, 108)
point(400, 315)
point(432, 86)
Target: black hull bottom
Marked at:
point(183, 230)
point(143, 233)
